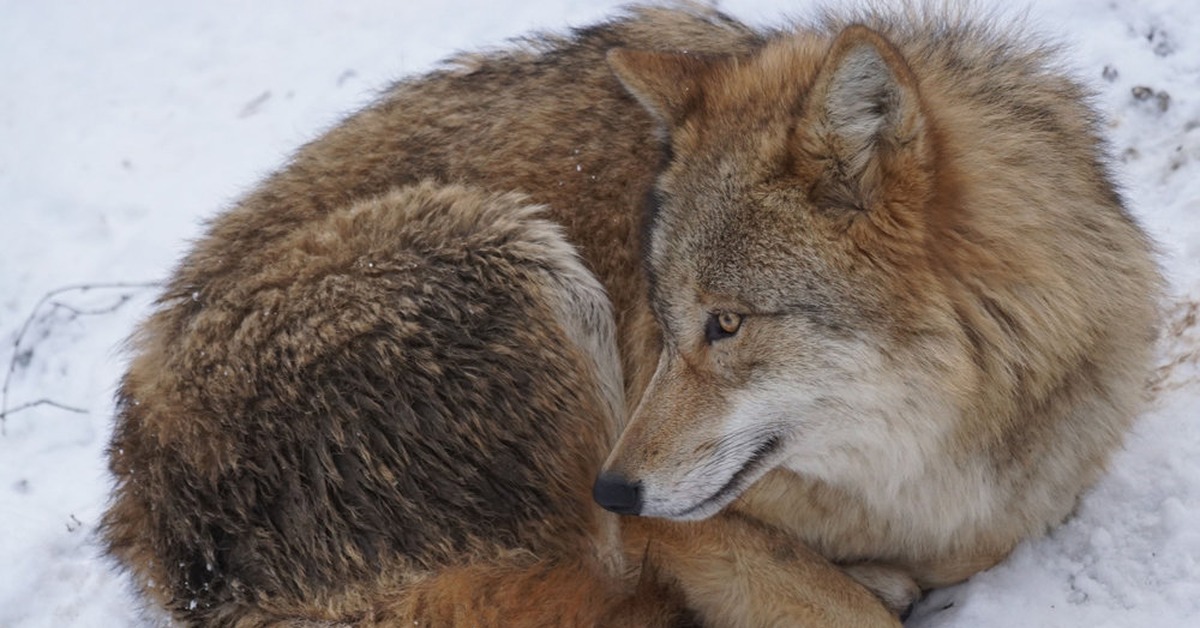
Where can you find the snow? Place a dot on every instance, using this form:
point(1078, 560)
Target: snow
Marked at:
point(123, 124)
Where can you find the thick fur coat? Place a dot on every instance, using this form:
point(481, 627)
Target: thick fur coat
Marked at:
point(863, 287)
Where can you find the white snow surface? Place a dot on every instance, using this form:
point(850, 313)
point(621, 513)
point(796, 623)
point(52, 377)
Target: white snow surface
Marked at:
point(124, 124)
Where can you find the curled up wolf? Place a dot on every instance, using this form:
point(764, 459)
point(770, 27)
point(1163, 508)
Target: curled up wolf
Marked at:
point(829, 315)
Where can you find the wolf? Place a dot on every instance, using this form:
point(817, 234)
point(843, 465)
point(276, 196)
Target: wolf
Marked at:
point(863, 288)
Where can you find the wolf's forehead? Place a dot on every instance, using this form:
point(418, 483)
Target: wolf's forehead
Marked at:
point(721, 216)
point(754, 263)
point(753, 273)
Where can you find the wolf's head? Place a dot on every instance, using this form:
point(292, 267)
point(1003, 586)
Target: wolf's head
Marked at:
point(789, 273)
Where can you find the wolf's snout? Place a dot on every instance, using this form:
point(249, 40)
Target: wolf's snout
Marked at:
point(615, 493)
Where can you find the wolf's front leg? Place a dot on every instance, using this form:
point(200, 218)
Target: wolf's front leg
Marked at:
point(894, 586)
point(734, 571)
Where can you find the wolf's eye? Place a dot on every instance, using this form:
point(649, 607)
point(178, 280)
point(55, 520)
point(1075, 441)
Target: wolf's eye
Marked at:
point(722, 325)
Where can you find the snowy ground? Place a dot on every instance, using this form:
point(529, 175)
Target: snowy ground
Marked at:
point(123, 124)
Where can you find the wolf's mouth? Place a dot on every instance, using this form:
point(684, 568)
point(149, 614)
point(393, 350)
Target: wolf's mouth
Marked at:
point(738, 482)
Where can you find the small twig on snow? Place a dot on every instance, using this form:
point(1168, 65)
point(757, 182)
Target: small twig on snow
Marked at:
point(55, 305)
point(42, 402)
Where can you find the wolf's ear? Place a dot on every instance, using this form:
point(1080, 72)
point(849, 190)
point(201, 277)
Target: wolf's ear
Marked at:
point(665, 83)
point(867, 114)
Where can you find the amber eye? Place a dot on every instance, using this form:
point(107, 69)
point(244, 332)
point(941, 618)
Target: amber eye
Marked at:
point(722, 325)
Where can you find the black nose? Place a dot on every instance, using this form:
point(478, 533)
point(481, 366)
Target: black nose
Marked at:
point(617, 494)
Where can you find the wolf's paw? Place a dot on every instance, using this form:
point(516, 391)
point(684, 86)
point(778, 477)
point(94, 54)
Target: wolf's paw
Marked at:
point(896, 588)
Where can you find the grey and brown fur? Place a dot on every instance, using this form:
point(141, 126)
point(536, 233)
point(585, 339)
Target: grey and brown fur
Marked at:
point(378, 389)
